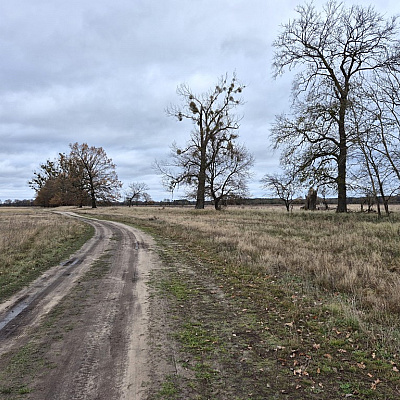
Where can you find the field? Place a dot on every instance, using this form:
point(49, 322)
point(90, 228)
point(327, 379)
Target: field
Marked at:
point(259, 303)
point(319, 293)
point(357, 255)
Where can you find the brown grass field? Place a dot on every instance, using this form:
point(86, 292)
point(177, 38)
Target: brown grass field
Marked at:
point(355, 254)
point(318, 293)
point(323, 288)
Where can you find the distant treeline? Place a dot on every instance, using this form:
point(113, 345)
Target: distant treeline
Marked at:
point(184, 202)
point(17, 203)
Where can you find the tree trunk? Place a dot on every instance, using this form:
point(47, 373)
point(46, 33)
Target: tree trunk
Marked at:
point(342, 160)
point(92, 193)
point(378, 206)
point(386, 205)
point(201, 191)
point(201, 184)
point(385, 199)
point(217, 203)
point(341, 185)
point(311, 200)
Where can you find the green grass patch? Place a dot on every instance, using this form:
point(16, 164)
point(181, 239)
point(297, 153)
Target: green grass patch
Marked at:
point(195, 338)
point(168, 390)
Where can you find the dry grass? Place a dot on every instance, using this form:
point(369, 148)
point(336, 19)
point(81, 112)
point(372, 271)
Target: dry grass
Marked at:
point(32, 240)
point(320, 289)
point(356, 254)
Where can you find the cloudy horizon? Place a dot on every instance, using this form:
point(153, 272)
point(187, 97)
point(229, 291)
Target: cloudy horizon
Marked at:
point(103, 73)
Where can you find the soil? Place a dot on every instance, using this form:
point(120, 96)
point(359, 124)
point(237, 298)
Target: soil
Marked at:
point(83, 325)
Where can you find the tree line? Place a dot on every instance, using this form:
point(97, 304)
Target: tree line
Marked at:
point(342, 131)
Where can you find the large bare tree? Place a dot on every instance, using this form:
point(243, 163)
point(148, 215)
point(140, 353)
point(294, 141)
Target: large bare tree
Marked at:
point(98, 172)
point(213, 119)
point(337, 49)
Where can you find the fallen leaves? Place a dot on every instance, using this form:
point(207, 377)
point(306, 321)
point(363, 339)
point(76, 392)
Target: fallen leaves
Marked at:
point(300, 372)
point(375, 383)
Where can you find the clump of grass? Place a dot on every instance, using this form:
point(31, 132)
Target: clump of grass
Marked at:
point(31, 241)
point(168, 390)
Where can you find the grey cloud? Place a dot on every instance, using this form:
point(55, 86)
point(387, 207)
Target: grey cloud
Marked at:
point(103, 72)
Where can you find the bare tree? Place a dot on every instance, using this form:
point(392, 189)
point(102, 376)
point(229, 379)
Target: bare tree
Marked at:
point(211, 114)
point(227, 173)
point(337, 47)
point(376, 145)
point(282, 185)
point(136, 191)
point(147, 198)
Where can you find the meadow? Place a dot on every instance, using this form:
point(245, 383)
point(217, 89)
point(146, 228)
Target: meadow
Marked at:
point(354, 254)
point(315, 297)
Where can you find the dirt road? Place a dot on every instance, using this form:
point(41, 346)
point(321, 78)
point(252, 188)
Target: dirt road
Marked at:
point(86, 320)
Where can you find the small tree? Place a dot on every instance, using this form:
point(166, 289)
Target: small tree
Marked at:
point(136, 191)
point(147, 198)
point(284, 186)
point(227, 173)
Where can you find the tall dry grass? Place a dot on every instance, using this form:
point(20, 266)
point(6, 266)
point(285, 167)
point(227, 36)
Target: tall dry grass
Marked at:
point(355, 254)
point(31, 240)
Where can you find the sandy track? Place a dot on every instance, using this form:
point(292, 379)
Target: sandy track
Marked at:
point(105, 355)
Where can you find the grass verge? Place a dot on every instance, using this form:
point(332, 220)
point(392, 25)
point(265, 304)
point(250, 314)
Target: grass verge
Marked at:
point(33, 240)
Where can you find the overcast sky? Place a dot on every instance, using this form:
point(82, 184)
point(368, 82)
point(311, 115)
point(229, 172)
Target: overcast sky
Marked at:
point(103, 72)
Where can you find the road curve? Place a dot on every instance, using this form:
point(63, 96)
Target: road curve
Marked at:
point(104, 354)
